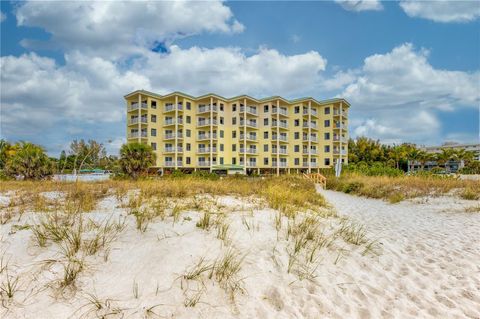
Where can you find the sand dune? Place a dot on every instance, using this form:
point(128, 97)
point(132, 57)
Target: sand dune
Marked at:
point(425, 263)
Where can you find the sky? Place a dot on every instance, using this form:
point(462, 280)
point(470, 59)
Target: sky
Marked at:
point(410, 69)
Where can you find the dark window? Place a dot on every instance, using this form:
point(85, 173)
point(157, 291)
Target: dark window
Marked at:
point(221, 109)
point(234, 147)
point(265, 122)
point(234, 107)
point(189, 119)
point(296, 148)
point(221, 133)
point(234, 160)
point(327, 148)
point(187, 160)
point(265, 110)
point(153, 132)
point(297, 161)
point(188, 146)
point(188, 133)
point(327, 123)
point(221, 160)
point(154, 104)
point(297, 122)
point(154, 146)
point(234, 120)
point(189, 106)
point(153, 118)
point(265, 134)
point(327, 161)
point(297, 109)
point(221, 147)
point(265, 160)
point(234, 134)
point(297, 135)
point(265, 147)
point(327, 136)
point(327, 110)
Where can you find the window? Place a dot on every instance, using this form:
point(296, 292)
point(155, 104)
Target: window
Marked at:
point(297, 109)
point(327, 148)
point(189, 106)
point(234, 107)
point(265, 160)
point(234, 134)
point(188, 146)
point(327, 123)
point(327, 110)
point(265, 147)
point(327, 161)
point(297, 135)
point(188, 133)
point(296, 148)
point(221, 109)
point(221, 160)
point(153, 132)
point(297, 161)
point(265, 134)
point(188, 160)
point(221, 120)
point(189, 119)
point(297, 122)
point(265, 122)
point(234, 120)
point(221, 147)
point(154, 146)
point(234, 160)
point(327, 136)
point(234, 147)
point(221, 133)
point(153, 118)
point(154, 104)
point(265, 110)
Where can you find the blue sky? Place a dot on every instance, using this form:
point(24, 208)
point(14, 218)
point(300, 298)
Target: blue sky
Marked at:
point(411, 70)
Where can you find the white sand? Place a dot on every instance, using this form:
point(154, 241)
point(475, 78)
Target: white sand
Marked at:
point(427, 264)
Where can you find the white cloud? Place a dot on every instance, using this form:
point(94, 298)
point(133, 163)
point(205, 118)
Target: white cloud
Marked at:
point(229, 71)
point(442, 11)
point(114, 29)
point(397, 95)
point(360, 5)
point(3, 17)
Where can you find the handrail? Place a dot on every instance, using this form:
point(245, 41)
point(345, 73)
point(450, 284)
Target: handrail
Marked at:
point(317, 178)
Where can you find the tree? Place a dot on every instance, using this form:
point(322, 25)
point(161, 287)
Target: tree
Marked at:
point(366, 150)
point(29, 161)
point(136, 158)
point(397, 153)
point(87, 153)
point(463, 156)
point(444, 157)
point(424, 157)
point(6, 150)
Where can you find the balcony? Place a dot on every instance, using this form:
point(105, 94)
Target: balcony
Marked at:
point(279, 124)
point(281, 164)
point(173, 149)
point(135, 106)
point(171, 107)
point(312, 164)
point(311, 139)
point(313, 152)
point(248, 109)
point(312, 112)
point(310, 125)
point(206, 150)
point(248, 123)
point(170, 122)
point(137, 134)
point(252, 151)
point(336, 113)
point(279, 137)
point(279, 151)
point(340, 126)
point(281, 111)
point(172, 136)
point(206, 109)
point(202, 137)
point(135, 120)
point(172, 164)
point(206, 163)
point(251, 164)
point(338, 152)
point(206, 123)
point(249, 137)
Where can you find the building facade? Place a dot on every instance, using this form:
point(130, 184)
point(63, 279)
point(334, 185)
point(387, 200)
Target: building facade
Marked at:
point(239, 134)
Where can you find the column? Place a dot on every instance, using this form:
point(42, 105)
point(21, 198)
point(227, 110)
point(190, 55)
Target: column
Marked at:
point(245, 134)
point(211, 133)
point(308, 136)
point(175, 158)
point(278, 137)
point(139, 118)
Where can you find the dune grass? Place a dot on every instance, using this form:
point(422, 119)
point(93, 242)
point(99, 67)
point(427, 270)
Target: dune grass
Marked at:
point(396, 189)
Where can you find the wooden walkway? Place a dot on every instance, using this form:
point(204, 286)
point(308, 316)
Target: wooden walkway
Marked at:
point(317, 178)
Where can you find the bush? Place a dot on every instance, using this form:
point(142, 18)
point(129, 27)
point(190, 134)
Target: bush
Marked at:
point(352, 187)
point(205, 175)
point(470, 168)
point(374, 169)
point(29, 161)
point(470, 194)
point(136, 158)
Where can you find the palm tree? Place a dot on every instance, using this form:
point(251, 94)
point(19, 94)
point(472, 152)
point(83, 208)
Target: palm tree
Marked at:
point(445, 156)
point(29, 161)
point(136, 158)
point(464, 157)
point(397, 153)
point(424, 157)
point(414, 155)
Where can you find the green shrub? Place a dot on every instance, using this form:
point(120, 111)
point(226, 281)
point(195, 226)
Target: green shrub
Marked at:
point(352, 187)
point(470, 194)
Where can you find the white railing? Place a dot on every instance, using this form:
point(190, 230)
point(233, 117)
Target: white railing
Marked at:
point(305, 151)
point(280, 124)
point(172, 136)
point(248, 123)
point(248, 136)
point(248, 109)
point(281, 164)
point(171, 107)
point(173, 121)
point(172, 163)
point(248, 150)
point(340, 126)
point(207, 122)
point(281, 138)
point(172, 149)
point(337, 151)
point(135, 120)
point(282, 111)
point(137, 134)
point(280, 151)
point(206, 163)
point(207, 150)
point(206, 136)
point(251, 164)
point(206, 108)
point(134, 106)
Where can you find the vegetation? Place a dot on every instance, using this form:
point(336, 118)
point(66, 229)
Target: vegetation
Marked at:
point(28, 161)
point(136, 158)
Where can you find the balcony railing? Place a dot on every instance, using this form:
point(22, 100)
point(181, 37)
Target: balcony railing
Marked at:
point(207, 150)
point(134, 106)
point(206, 123)
point(312, 138)
point(280, 151)
point(171, 107)
point(172, 136)
point(306, 151)
point(206, 108)
point(248, 150)
point(251, 164)
point(173, 122)
point(281, 164)
point(172, 149)
point(336, 112)
point(135, 120)
point(311, 125)
point(340, 126)
point(248, 109)
point(206, 163)
point(201, 137)
point(280, 124)
point(248, 123)
point(248, 137)
point(172, 163)
point(281, 137)
point(137, 134)
point(312, 164)
point(282, 111)
point(337, 151)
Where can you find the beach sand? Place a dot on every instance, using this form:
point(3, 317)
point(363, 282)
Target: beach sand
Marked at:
point(424, 263)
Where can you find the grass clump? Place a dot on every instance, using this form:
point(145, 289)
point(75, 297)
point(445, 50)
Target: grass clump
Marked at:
point(470, 194)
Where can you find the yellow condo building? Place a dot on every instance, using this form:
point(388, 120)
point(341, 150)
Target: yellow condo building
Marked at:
point(240, 134)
